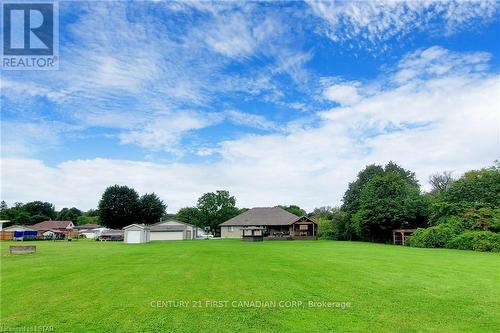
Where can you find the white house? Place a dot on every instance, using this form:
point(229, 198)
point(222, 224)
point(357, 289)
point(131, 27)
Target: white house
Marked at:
point(136, 233)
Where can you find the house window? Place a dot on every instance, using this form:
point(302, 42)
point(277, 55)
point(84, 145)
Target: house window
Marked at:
point(231, 228)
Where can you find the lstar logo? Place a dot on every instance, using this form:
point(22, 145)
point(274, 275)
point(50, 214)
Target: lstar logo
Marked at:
point(30, 35)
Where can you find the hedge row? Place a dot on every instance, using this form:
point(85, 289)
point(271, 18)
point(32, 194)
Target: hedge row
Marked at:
point(447, 237)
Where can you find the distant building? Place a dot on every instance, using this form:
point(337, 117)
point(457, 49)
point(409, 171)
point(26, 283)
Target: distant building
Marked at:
point(161, 231)
point(274, 221)
point(58, 226)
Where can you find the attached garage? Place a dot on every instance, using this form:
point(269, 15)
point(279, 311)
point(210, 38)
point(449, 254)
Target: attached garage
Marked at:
point(136, 234)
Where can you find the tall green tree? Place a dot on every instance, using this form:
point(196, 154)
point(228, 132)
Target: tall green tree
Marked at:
point(69, 214)
point(481, 187)
point(40, 208)
point(189, 215)
point(476, 190)
point(3, 206)
point(388, 201)
point(294, 209)
point(216, 208)
point(406, 175)
point(152, 208)
point(16, 215)
point(353, 194)
point(119, 207)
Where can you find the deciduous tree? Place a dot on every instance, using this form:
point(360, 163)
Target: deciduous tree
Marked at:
point(152, 208)
point(119, 207)
point(216, 208)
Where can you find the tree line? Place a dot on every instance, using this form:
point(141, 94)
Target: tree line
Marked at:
point(120, 206)
point(461, 213)
point(456, 213)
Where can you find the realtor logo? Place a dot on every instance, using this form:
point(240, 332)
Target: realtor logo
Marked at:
point(30, 36)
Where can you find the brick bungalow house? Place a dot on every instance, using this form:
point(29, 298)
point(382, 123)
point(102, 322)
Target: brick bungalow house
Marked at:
point(274, 221)
point(55, 226)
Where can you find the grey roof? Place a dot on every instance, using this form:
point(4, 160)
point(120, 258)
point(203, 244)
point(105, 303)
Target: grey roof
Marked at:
point(17, 227)
point(87, 226)
point(111, 232)
point(263, 216)
point(168, 228)
point(136, 226)
point(174, 222)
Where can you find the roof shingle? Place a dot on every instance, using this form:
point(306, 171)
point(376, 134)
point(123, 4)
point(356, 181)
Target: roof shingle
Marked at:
point(262, 216)
point(48, 225)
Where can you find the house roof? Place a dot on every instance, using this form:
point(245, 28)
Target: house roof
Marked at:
point(18, 227)
point(47, 225)
point(88, 226)
point(263, 216)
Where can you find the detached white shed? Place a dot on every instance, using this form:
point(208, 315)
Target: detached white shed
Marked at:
point(136, 233)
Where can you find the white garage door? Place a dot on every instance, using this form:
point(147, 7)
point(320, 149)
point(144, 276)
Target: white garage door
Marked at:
point(166, 235)
point(133, 236)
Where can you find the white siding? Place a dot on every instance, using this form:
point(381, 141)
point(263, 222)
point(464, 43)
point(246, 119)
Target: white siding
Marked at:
point(166, 235)
point(133, 236)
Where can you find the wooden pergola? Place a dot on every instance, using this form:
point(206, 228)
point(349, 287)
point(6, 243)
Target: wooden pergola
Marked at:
point(303, 228)
point(399, 236)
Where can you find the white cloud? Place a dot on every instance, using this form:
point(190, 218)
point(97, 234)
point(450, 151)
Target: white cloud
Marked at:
point(27, 138)
point(164, 133)
point(251, 120)
point(344, 94)
point(446, 120)
point(120, 69)
point(370, 22)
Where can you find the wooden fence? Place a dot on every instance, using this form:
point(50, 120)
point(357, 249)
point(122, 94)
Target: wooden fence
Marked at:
point(6, 235)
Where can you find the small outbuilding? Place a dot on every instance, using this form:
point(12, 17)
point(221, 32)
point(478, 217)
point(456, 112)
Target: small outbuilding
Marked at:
point(173, 230)
point(136, 233)
point(253, 234)
point(400, 236)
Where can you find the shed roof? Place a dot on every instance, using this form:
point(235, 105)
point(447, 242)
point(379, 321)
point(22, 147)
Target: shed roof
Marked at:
point(263, 216)
point(136, 227)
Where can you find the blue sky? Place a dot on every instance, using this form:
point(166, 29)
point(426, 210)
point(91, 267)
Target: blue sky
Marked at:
point(278, 102)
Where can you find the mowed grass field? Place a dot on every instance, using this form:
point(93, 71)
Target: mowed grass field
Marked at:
point(88, 286)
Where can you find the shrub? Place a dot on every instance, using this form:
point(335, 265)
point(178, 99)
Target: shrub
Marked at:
point(437, 236)
point(476, 240)
point(325, 229)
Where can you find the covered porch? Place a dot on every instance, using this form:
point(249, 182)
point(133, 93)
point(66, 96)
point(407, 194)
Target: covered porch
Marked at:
point(304, 228)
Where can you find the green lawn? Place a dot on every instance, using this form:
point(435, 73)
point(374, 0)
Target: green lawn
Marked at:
point(95, 287)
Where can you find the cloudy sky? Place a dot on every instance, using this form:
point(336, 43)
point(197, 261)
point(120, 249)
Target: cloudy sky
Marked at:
point(279, 103)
